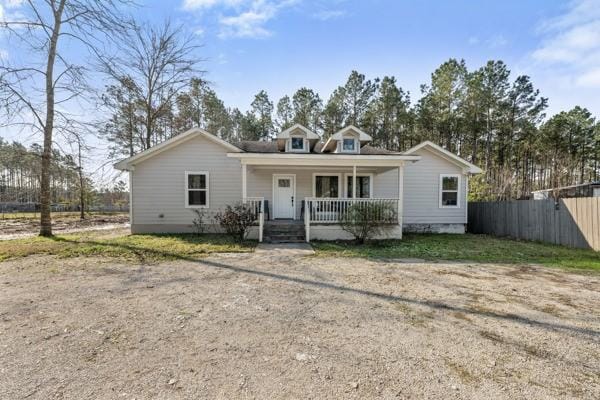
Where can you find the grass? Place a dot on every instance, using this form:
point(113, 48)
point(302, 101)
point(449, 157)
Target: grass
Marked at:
point(468, 247)
point(151, 248)
point(144, 248)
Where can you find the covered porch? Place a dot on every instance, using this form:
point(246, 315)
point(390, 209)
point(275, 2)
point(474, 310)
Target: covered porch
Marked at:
point(318, 191)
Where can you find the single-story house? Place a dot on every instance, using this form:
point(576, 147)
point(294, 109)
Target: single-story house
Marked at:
point(301, 185)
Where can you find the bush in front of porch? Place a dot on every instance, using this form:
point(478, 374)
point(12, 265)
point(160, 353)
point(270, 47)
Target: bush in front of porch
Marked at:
point(365, 220)
point(236, 220)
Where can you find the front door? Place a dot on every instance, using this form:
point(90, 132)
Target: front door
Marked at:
point(284, 188)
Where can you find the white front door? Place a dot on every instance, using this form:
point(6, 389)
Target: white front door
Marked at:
point(284, 191)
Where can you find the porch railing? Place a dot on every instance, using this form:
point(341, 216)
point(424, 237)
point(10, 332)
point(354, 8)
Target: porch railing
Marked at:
point(332, 211)
point(257, 204)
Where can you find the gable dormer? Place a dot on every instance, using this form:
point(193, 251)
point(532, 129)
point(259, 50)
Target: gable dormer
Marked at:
point(348, 140)
point(297, 139)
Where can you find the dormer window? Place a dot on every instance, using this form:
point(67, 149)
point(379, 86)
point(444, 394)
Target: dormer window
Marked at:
point(349, 145)
point(297, 139)
point(297, 143)
point(348, 140)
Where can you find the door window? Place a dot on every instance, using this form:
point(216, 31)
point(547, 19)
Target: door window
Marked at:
point(284, 183)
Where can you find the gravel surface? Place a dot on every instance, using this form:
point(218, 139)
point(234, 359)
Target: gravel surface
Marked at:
point(270, 326)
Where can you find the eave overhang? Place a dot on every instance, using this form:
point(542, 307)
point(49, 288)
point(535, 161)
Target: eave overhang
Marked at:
point(323, 160)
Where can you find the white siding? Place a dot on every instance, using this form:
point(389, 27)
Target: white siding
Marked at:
point(421, 191)
point(158, 186)
point(159, 182)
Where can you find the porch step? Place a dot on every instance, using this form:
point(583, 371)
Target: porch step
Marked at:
point(284, 238)
point(284, 232)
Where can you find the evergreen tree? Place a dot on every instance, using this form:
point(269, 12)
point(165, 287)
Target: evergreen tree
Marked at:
point(262, 109)
point(307, 106)
point(335, 113)
point(285, 113)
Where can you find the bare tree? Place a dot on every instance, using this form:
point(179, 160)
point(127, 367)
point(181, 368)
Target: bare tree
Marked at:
point(36, 91)
point(157, 62)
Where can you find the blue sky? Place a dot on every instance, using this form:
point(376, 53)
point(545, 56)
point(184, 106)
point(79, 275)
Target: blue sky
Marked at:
point(280, 46)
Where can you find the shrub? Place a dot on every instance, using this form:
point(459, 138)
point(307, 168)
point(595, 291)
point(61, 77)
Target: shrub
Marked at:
point(236, 220)
point(364, 220)
point(200, 221)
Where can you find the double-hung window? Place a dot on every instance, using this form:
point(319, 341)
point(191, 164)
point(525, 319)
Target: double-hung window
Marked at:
point(196, 189)
point(449, 191)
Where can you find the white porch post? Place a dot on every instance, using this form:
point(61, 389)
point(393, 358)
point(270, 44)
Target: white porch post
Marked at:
point(354, 181)
point(244, 189)
point(400, 192)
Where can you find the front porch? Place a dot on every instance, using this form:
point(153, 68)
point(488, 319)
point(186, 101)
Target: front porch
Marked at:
point(319, 197)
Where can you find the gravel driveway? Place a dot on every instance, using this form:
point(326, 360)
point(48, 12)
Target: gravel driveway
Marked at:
point(271, 326)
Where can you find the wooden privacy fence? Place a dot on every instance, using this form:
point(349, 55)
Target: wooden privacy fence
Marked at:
point(569, 222)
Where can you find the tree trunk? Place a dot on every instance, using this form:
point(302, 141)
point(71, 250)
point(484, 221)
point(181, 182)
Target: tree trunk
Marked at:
point(45, 195)
point(81, 181)
point(81, 195)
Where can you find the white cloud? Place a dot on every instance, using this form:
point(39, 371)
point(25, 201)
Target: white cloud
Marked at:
point(205, 4)
point(250, 23)
point(572, 43)
point(241, 18)
point(326, 15)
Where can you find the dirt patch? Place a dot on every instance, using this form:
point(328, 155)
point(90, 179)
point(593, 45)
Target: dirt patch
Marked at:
point(269, 326)
point(15, 228)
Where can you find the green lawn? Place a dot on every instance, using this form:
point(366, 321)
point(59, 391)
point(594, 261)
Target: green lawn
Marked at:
point(127, 247)
point(151, 248)
point(479, 248)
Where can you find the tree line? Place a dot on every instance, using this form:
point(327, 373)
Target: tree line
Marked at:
point(20, 175)
point(482, 115)
point(20, 178)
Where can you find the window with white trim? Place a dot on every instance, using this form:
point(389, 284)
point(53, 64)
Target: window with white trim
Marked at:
point(349, 145)
point(327, 186)
point(449, 191)
point(363, 186)
point(297, 143)
point(196, 190)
